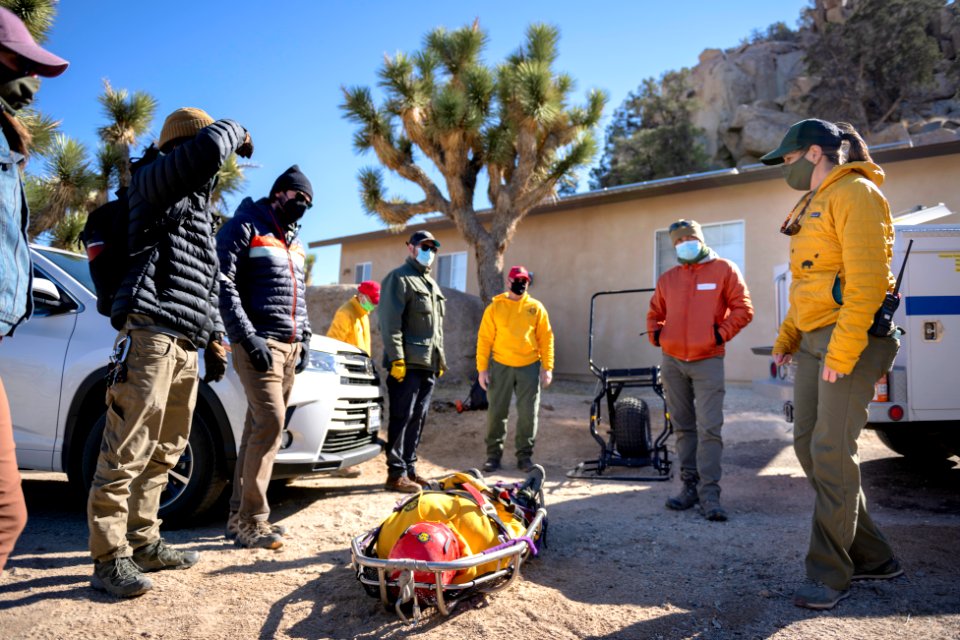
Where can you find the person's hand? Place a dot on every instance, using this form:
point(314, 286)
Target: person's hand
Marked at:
point(716, 336)
point(259, 352)
point(245, 150)
point(304, 357)
point(782, 359)
point(656, 337)
point(830, 374)
point(215, 360)
point(441, 372)
point(483, 377)
point(546, 377)
point(398, 370)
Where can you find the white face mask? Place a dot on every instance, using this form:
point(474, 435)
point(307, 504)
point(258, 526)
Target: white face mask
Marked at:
point(425, 257)
point(688, 250)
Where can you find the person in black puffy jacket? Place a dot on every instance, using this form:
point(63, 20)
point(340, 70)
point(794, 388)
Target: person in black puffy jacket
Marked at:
point(264, 307)
point(166, 308)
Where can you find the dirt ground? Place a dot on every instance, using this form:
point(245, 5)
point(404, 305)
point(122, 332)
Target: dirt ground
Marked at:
point(618, 564)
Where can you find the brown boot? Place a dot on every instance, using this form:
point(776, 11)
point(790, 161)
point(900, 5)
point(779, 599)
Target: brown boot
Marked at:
point(403, 484)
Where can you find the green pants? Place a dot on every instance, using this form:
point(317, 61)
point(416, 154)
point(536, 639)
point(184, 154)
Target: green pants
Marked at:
point(148, 425)
point(828, 418)
point(504, 381)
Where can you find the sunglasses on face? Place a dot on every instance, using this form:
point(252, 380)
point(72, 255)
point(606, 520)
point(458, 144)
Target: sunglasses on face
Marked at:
point(789, 228)
point(426, 246)
point(300, 197)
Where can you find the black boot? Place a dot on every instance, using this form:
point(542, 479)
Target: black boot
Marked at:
point(687, 497)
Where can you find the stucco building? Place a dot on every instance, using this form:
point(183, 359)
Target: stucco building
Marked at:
point(616, 239)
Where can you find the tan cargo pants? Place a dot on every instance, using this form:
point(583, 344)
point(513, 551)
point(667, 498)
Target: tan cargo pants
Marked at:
point(13, 509)
point(148, 425)
point(828, 418)
point(267, 397)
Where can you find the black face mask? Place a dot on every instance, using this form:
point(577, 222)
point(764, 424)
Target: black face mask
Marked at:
point(518, 287)
point(18, 92)
point(293, 209)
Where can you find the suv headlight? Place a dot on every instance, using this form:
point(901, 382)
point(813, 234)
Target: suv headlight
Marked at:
point(322, 361)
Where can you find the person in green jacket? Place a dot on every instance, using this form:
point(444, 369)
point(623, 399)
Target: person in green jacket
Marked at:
point(411, 323)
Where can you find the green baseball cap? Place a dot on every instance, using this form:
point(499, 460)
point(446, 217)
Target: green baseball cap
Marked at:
point(803, 134)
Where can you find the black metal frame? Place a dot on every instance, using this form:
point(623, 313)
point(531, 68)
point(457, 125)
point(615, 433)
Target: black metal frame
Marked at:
point(611, 382)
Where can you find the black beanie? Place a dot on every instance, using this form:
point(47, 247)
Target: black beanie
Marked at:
point(292, 179)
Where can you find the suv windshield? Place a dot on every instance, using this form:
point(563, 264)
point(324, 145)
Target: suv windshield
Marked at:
point(73, 263)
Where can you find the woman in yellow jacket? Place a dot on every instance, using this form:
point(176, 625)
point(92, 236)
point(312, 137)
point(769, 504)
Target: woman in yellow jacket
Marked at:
point(841, 241)
point(351, 322)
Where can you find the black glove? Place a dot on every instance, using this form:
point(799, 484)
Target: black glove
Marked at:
point(304, 357)
point(717, 336)
point(260, 356)
point(656, 337)
point(245, 150)
point(215, 360)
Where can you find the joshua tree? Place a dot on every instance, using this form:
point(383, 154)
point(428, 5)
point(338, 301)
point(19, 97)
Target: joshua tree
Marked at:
point(464, 117)
point(38, 15)
point(129, 118)
point(66, 233)
point(67, 185)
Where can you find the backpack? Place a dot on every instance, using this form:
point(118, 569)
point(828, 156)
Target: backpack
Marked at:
point(105, 238)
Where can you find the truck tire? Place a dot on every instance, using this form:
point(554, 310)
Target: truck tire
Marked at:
point(918, 442)
point(630, 428)
point(193, 485)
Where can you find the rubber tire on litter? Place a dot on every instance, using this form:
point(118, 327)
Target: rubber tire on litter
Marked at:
point(630, 427)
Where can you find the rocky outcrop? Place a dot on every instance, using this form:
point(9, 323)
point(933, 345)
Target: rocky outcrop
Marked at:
point(460, 325)
point(748, 96)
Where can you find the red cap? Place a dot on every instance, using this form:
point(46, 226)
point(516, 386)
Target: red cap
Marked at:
point(14, 36)
point(518, 271)
point(371, 289)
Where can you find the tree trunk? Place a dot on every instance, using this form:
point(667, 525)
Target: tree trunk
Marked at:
point(489, 268)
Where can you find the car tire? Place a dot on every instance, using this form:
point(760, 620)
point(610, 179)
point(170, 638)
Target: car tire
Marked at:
point(193, 485)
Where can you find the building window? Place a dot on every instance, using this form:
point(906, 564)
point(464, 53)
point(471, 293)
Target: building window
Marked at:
point(451, 270)
point(726, 238)
point(362, 272)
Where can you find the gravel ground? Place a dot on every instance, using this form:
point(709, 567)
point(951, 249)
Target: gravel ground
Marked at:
point(618, 564)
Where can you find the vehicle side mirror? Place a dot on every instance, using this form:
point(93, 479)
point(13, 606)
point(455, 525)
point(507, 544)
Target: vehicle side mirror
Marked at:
point(45, 291)
point(47, 300)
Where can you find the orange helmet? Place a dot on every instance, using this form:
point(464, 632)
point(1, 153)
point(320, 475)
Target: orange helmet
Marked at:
point(431, 542)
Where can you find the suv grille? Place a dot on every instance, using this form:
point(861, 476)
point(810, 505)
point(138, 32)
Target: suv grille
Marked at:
point(356, 369)
point(347, 439)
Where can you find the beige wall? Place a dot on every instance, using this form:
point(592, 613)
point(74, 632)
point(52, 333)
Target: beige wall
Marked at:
point(576, 253)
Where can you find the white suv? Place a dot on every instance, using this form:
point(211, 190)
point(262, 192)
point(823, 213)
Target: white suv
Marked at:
point(54, 370)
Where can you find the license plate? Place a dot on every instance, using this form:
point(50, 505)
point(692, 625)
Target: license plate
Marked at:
point(373, 419)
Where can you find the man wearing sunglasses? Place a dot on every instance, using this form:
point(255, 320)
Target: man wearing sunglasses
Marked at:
point(698, 306)
point(411, 322)
point(264, 308)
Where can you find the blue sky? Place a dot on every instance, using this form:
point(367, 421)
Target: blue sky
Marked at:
point(277, 68)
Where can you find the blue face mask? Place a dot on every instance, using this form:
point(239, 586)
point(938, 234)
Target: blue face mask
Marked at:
point(688, 250)
point(425, 257)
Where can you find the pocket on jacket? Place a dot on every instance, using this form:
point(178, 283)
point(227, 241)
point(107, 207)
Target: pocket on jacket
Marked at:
point(421, 302)
point(819, 292)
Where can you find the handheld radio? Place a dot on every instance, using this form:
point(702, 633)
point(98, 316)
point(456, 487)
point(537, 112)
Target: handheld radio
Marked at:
point(883, 319)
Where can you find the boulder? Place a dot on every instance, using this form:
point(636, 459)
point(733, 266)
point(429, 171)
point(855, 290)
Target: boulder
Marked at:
point(896, 132)
point(760, 129)
point(460, 325)
point(936, 136)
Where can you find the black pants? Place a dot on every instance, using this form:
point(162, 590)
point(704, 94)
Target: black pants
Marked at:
point(409, 402)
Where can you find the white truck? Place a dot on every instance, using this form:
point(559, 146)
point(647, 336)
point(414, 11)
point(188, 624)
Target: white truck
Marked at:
point(916, 409)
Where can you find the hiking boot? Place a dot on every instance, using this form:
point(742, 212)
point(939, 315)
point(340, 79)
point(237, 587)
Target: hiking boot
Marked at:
point(712, 510)
point(403, 484)
point(257, 534)
point(233, 523)
point(419, 479)
point(491, 465)
point(524, 464)
point(818, 596)
point(687, 497)
point(159, 555)
point(120, 577)
point(888, 570)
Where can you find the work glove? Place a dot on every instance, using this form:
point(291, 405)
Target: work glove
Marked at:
point(717, 336)
point(215, 360)
point(304, 357)
point(656, 337)
point(259, 351)
point(245, 150)
point(398, 370)
point(441, 372)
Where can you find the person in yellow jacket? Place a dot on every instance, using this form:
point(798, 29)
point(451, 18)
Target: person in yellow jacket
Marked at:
point(841, 241)
point(351, 322)
point(516, 330)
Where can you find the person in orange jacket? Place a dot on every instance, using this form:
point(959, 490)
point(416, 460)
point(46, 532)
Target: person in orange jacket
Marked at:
point(351, 322)
point(698, 306)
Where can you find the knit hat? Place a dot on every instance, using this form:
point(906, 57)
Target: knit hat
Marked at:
point(292, 180)
point(683, 228)
point(371, 289)
point(185, 122)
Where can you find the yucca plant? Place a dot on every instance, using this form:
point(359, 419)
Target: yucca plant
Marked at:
point(128, 119)
point(42, 130)
point(230, 181)
point(66, 233)
point(65, 186)
point(38, 15)
point(464, 116)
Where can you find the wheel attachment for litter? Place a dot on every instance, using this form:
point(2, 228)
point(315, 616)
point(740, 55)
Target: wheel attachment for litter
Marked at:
point(630, 428)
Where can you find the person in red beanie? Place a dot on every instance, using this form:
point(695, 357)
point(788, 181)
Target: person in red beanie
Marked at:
point(21, 61)
point(351, 322)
